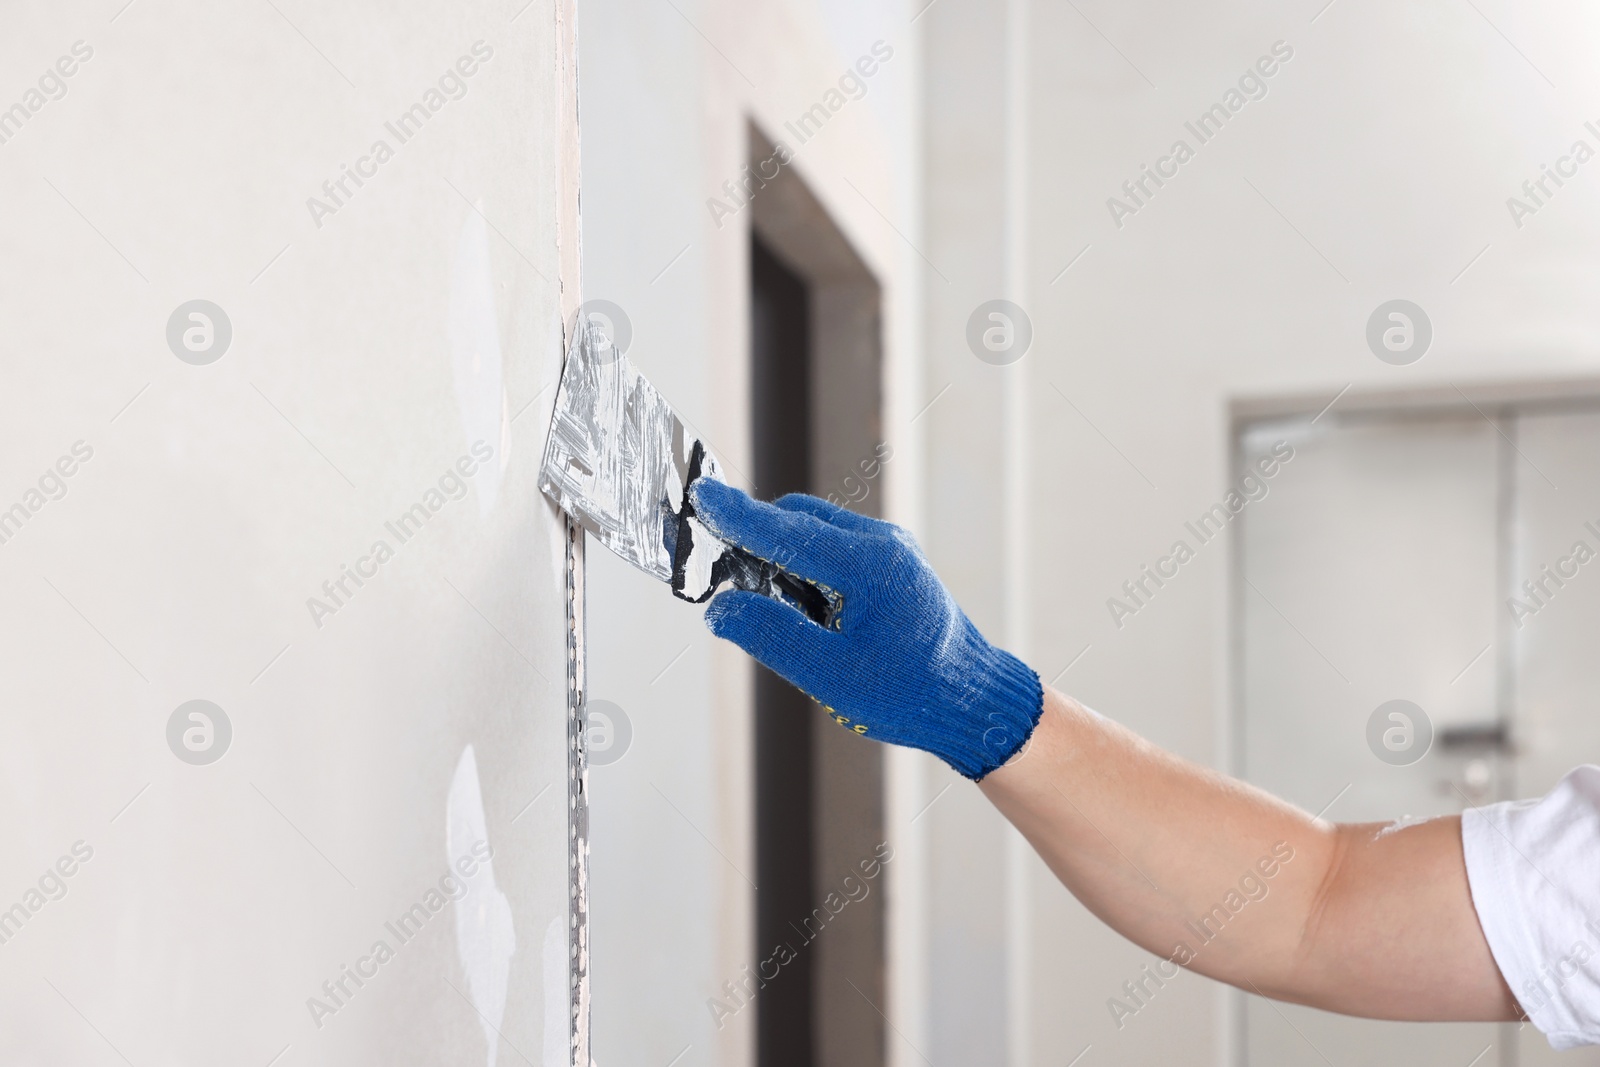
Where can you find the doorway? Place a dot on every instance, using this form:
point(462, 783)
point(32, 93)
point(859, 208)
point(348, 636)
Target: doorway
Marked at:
point(815, 373)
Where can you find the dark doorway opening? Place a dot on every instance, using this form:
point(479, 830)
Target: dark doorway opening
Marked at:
point(780, 347)
point(816, 427)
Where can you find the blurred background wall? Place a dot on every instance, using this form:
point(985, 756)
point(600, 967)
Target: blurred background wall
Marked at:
point(670, 119)
point(1217, 311)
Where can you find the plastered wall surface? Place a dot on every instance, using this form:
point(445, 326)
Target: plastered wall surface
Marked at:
point(311, 509)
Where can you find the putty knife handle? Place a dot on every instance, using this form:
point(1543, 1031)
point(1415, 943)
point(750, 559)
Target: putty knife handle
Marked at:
point(749, 572)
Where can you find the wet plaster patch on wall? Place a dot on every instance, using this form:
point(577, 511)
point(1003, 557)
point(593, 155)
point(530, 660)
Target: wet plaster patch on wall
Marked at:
point(485, 937)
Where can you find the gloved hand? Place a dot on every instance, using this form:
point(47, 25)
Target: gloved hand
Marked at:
point(905, 665)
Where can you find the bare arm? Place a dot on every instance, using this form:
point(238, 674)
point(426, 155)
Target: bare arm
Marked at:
point(1218, 876)
point(1206, 872)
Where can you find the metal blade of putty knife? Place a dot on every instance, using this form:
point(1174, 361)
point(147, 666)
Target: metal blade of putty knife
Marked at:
point(620, 463)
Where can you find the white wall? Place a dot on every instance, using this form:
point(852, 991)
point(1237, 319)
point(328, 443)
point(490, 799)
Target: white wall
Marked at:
point(368, 353)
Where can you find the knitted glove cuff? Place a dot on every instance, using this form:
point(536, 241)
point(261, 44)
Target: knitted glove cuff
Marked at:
point(1002, 717)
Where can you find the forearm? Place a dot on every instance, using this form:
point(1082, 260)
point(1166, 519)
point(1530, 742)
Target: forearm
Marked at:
point(1215, 875)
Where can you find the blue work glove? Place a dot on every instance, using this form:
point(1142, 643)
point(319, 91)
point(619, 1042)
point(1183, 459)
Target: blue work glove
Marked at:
point(905, 664)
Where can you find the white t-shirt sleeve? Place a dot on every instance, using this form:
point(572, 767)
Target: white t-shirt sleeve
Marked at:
point(1534, 870)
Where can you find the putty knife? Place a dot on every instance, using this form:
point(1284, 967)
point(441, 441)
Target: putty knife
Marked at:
point(620, 463)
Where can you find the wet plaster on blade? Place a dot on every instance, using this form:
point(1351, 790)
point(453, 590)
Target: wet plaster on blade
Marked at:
point(704, 552)
point(616, 458)
point(620, 462)
point(485, 935)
